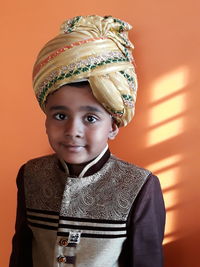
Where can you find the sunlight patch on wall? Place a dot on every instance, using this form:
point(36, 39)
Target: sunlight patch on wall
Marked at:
point(165, 132)
point(170, 178)
point(170, 83)
point(164, 163)
point(168, 103)
point(169, 228)
point(168, 172)
point(167, 110)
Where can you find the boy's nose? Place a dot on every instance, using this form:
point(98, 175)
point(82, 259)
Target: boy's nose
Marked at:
point(74, 128)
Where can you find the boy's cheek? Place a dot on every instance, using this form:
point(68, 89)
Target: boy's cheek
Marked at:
point(50, 124)
point(51, 130)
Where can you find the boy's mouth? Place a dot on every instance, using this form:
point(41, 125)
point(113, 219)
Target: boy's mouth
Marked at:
point(73, 147)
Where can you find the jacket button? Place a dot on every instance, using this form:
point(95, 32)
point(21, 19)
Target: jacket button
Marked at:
point(63, 242)
point(61, 259)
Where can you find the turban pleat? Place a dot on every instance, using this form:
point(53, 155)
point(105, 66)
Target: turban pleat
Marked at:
point(96, 49)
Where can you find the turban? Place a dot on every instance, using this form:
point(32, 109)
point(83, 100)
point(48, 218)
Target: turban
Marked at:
point(96, 49)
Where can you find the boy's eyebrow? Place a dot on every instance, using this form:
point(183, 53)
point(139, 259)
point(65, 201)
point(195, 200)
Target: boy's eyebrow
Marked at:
point(82, 108)
point(90, 109)
point(58, 108)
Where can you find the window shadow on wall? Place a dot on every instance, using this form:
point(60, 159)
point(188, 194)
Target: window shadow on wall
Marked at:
point(164, 140)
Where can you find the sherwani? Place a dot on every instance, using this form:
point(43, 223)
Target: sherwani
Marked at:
point(112, 216)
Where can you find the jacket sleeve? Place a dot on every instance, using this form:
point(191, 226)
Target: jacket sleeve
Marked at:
point(146, 222)
point(21, 255)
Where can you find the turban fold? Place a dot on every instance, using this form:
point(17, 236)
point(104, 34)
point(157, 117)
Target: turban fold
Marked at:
point(96, 49)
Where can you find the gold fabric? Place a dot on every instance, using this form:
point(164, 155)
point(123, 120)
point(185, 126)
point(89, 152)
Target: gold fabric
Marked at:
point(96, 49)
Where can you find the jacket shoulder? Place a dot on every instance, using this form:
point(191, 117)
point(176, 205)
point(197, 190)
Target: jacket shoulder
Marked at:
point(42, 162)
point(131, 167)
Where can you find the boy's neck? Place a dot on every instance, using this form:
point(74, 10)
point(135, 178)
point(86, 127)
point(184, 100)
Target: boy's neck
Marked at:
point(87, 168)
point(76, 169)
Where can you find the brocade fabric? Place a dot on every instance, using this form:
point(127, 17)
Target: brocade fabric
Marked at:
point(141, 240)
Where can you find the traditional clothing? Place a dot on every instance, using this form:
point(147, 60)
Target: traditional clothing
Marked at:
point(113, 213)
point(96, 49)
point(111, 216)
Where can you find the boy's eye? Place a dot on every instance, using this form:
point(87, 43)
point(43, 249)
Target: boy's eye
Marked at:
point(91, 119)
point(60, 116)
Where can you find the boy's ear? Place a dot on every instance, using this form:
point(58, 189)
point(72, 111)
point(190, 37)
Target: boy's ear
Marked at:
point(113, 132)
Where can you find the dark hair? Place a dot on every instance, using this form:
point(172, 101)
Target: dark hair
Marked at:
point(78, 84)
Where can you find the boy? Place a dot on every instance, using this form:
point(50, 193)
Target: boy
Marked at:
point(82, 206)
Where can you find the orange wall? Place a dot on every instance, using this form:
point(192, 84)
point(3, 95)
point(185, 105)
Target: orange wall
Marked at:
point(164, 135)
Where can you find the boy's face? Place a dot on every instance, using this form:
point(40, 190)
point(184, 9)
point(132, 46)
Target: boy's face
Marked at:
point(78, 127)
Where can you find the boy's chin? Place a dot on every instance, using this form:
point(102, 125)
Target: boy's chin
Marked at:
point(75, 160)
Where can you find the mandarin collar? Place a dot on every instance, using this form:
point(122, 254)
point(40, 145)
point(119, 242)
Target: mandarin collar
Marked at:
point(91, 167)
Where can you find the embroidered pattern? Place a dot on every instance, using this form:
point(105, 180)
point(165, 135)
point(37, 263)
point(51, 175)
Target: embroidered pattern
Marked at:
point(115, 113)
point(124, 26)
point(94, 197)
point(61, 50)
point(128, 100)
point(127, 76)
point(70, 24)
point(130, 79)
point(77, 68)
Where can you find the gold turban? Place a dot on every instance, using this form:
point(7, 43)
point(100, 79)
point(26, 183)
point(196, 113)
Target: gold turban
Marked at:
point(96, 49)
